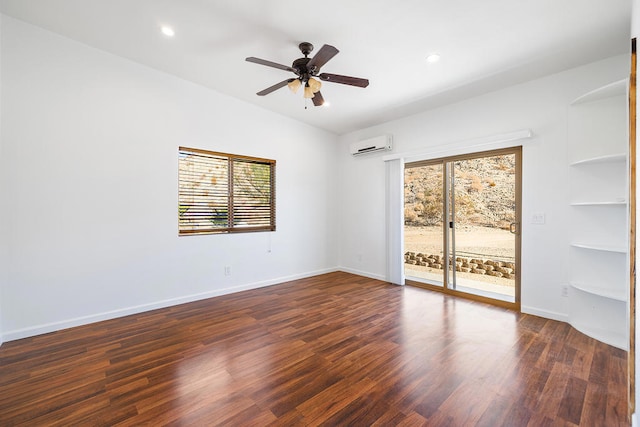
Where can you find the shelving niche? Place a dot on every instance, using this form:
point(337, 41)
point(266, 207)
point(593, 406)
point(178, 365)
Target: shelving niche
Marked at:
point(599, 214)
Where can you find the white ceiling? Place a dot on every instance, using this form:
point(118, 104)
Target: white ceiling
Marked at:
point(484, 45)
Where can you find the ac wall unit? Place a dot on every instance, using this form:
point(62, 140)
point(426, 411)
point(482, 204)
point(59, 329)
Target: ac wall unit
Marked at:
point(378, 143)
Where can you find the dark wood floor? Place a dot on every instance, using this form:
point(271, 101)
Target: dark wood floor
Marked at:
point(336, 349)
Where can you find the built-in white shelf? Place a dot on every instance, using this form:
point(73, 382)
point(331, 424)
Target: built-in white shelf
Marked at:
point(603, 248)
point(614, 338)
point(602, 203)
point(612, 89)
point(598, 225)
point(601, 159)
point(616, 295)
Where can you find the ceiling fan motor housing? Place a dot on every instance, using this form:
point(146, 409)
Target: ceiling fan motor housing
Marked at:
point(300, 65)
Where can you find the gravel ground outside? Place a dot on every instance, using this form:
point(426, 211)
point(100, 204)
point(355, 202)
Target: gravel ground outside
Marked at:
point(471, 242)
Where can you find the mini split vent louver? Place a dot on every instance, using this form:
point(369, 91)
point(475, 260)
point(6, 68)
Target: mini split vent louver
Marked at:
point(378, 143)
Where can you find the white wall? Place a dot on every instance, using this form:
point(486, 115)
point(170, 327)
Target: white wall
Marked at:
point(539, 105)
point(89, 144)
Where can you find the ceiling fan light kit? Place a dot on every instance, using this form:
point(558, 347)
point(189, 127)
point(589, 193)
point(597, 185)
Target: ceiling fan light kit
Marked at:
point(314, 84)
point(308, 92)
point(294, 85)
point(306, 69)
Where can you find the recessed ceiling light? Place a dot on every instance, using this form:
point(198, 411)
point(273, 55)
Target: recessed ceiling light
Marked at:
point(326, 104)
point(434, 57)
point(167, 31)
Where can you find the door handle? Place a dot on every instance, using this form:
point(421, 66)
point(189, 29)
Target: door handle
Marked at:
point(514, 228)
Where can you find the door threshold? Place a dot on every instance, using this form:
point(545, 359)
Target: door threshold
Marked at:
point(500, 300)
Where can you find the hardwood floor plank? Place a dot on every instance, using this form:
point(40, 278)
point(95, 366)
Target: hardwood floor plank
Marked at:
point(292, 418)
point(299, 391)
point(507, 412)
point(70, 413)
point(333, 399)
point(465, 405)
point(412, 420)
point(335, 349)
point(435, 394)
point(599, 372)
point(552, 395)
point(533, 382)
point(362, 411)
point(573, 400)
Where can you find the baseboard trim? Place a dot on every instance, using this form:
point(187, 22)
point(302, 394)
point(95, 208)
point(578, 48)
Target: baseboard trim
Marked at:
point(545, 313)
point(126, 311)
point(363, 273)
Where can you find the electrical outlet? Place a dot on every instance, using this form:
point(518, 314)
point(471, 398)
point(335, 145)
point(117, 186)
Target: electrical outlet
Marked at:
point(227, 270)
point(538, 218)
point(564, 291)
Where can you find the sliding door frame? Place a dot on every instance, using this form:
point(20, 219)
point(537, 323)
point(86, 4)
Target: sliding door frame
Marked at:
point(632, 228)
point(517, 151)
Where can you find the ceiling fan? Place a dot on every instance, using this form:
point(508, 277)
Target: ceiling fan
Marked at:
point(307, 69)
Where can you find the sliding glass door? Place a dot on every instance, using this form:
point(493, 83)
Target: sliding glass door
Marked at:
point(462, 224)
point(424, 244)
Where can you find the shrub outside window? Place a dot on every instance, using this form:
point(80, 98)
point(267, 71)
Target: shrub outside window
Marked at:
point(224, 193)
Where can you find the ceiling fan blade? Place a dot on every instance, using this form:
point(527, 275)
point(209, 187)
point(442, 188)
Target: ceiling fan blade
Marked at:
point(276, 86)
point(345, 80)
point(269, 64)
point(323, 56)
point(317, 99)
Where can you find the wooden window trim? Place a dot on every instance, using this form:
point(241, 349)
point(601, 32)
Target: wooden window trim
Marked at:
point(186, 228)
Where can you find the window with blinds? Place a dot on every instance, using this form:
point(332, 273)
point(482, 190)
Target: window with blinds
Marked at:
point(224, 193)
